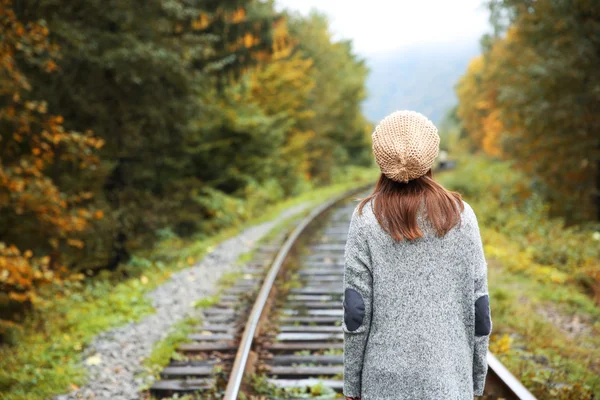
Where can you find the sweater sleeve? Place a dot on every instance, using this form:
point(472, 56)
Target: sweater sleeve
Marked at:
point(482, 317)
point(357, 306)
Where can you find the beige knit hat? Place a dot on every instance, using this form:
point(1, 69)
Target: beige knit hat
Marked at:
point(405, 144)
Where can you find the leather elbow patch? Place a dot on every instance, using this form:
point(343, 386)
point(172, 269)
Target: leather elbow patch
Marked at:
point(354, 309)
point(483, 322)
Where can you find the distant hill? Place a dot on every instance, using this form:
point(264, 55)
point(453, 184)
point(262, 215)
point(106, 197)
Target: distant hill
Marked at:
point(420, 79)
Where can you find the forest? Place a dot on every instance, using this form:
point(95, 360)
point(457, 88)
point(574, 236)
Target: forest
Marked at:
point(125, 124)
point(533, 96)
point(135, 135)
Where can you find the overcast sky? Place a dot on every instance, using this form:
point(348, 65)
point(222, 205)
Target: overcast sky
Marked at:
point(379, 26)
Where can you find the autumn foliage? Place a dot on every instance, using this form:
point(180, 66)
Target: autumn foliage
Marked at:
point(533, 97)
point(123, 125)
point(39, 217)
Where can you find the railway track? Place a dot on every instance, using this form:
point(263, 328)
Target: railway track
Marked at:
point(290, 340)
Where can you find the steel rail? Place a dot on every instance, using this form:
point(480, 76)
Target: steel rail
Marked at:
point(245, 346)
point(508, 379)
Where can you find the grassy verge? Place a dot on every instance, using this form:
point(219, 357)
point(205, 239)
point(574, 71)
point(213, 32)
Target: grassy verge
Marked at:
point(42, 358)
point(546, 317)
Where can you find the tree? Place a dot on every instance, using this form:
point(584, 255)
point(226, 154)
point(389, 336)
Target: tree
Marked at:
point(341, 131)
point(202, 113)
point(42, 213)
point(133, 72)
point(542, 79)
point(242, 32)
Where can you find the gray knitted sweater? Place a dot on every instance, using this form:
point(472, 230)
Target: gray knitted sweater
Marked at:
point(416, 314)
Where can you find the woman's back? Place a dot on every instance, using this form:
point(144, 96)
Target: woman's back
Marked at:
point(416, 317)
point(420, 342)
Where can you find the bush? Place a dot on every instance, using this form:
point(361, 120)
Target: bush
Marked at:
point(507, 206)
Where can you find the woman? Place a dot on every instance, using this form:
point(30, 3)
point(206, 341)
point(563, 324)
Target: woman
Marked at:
point(416, 307)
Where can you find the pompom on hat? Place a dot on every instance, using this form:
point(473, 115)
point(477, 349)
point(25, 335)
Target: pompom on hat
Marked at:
point(405, 144)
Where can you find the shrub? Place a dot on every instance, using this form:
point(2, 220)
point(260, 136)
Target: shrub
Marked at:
point(507, 206)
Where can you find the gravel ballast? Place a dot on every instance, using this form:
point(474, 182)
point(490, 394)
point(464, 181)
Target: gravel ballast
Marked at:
point(113, 359)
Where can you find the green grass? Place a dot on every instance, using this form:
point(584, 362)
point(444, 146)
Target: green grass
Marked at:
point(164, 351)
point(541, 352)
point(42, 358)
point(207, 302)
point(537, 268)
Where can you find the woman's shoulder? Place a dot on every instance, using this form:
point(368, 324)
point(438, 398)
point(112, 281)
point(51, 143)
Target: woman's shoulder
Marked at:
point(468, 221)
point(363, 211)
point(363, 215)
point(467, 212)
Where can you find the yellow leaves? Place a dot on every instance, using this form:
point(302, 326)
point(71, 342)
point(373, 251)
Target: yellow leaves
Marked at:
point(97, 143)
point(284, 85)
point(31, 138)
point(238, 16)
point(190, 260)
point(51, 66)
point(250, 40)
point(483, 105)
point(477, 92)
point(17, 185)
point(77, 277)
point(512, 34)
point(39, 106)
point(501, 345)
point(282, 43)
point(20, 297)
point(21, 273)
point(546, 273)
point(39, 164)
point(493, 129)
point(76, 243)
point(197, 25)
point(4, 324)
point(99, 214)
point(475, 65)
point(202, 22)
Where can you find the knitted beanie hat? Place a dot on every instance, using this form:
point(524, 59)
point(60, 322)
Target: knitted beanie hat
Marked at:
point(405, 144)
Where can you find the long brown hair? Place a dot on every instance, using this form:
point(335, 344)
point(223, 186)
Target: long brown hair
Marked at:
point(395, 205)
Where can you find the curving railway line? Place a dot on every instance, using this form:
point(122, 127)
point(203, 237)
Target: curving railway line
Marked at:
point(281, 322)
